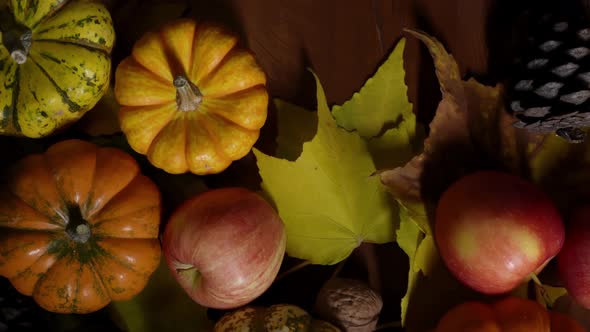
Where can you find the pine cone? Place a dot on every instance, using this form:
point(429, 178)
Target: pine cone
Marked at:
point(550, 89)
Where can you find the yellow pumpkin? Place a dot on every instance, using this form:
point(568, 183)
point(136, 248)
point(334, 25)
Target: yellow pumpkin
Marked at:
point(54, 63)
point(191, 99)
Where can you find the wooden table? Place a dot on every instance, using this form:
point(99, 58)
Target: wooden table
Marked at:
point(344, 41)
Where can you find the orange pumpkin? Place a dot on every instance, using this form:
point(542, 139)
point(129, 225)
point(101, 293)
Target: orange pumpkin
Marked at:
point(191, 99)
point(511, 314)
point(78, 227)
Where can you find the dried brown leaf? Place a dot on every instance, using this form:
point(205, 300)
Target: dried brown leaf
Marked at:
point(471, 130)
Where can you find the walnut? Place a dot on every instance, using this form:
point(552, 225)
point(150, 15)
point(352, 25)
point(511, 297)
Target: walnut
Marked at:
point(350, 304)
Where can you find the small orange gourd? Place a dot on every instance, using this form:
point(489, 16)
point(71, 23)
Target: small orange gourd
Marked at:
point(511, 314)
point(191, 99)
point(78, 227)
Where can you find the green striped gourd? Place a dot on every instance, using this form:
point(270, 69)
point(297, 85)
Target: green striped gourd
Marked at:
point(54, 63)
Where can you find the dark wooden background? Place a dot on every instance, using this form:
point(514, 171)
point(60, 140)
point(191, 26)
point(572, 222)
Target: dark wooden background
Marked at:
point(344, 42)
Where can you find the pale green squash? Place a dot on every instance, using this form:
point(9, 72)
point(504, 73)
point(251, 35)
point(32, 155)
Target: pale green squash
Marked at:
point(54, 63)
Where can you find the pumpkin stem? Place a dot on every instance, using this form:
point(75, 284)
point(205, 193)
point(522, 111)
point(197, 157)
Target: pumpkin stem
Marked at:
point(188, 96)
point(77, 228)
point(16, 37)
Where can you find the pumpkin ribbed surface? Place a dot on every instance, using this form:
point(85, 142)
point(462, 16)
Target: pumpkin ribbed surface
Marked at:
point(192, 100)
point(78, 227)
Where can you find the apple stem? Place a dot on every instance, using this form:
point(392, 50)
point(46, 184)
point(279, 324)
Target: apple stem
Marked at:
point(536, 279)
point(384, 326)
point(543, 291)
point(189, 273)
point(292, 270)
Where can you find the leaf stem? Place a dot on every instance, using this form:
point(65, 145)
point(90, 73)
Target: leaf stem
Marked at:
point(338, 269)
point(368, 256)
point(292, 270)
point(373, 269)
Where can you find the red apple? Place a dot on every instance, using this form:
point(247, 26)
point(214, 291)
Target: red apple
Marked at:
point(494, 229)
point(224, 246)
point(574, 259)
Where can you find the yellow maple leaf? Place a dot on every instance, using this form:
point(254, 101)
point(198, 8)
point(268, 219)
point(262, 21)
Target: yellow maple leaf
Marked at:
point(328, 197)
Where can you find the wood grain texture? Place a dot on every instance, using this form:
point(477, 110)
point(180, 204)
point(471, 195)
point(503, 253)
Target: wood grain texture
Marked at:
point(344, 41)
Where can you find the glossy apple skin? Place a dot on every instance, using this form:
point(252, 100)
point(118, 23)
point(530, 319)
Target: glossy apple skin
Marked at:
point(494, 229)
point(224, 246)
point(573, 261)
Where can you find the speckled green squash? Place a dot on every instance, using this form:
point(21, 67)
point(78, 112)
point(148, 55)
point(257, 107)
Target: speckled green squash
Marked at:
point(54, 63)
point(276, 318)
